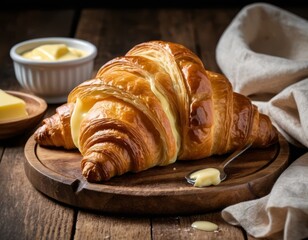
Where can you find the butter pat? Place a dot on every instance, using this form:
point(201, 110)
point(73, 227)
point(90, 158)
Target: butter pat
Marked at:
point(11, 107)
point(205, 226)
point(206, 177)
point(53, 52)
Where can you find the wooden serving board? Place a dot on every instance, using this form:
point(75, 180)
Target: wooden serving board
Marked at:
point(160, 190)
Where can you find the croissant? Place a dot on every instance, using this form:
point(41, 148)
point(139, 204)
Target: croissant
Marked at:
point(151, 107)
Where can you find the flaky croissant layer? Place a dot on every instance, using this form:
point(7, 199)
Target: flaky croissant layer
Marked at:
point(151, 107)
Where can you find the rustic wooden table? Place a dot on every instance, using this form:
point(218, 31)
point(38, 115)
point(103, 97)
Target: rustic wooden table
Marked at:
point(25, 213)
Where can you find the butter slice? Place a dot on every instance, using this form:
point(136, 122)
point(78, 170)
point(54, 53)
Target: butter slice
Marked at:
point(50, 51)
point(53, 52)
point(11, 107)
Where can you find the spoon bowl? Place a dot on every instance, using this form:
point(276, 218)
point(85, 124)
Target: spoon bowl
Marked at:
point(215, 175)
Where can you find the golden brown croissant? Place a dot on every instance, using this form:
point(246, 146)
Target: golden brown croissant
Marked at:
point(151, 107)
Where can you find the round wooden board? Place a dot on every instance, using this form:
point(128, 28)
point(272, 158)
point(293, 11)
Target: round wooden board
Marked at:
point(156, 191)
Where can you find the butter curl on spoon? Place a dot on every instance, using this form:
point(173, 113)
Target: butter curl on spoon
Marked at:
point(213, 175)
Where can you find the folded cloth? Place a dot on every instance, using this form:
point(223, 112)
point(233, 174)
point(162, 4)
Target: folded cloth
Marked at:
point(283, 214)
point(264, 53)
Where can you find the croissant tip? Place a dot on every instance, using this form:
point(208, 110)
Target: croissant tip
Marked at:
point(92, 172)
point(40, 134)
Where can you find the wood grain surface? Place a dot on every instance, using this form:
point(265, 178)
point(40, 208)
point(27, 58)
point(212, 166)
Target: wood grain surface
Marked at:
point(57, 173)
point(25, 213)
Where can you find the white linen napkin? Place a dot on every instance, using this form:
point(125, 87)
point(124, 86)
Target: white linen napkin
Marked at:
point(283, 214)
point(264, 53)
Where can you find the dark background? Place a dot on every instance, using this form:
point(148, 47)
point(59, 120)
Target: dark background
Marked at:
point(75, 4)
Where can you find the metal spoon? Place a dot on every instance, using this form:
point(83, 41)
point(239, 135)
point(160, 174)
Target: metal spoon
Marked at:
point(221, 167)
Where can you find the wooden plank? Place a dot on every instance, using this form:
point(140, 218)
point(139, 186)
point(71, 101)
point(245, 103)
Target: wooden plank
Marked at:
point(96, 226)
point(210, 24)
point(177, 26)
point(115, 31)
point(180, 228)
point(26, 213)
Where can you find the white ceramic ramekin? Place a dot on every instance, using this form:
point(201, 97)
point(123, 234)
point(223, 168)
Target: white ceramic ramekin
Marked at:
point(53, 81)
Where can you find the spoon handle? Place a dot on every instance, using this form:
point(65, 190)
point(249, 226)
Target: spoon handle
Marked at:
point(234, 155)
